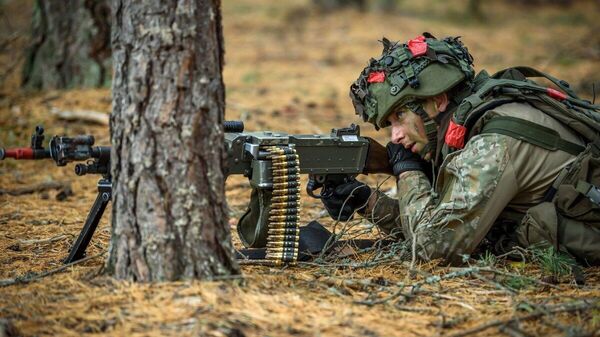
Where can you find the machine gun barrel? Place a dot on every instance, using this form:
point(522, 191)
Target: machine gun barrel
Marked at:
point(233, 126)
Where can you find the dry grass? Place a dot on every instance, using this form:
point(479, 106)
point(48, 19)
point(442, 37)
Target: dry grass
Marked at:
point(284, 63)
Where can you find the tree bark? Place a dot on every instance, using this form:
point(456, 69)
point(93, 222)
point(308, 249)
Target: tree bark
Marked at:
point(169, 209)
point(70, 45)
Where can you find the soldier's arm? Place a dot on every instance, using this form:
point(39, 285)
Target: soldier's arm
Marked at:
point(384, 212)
point(474, 186)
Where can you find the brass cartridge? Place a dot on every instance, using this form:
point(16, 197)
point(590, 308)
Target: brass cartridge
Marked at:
point(283, 178)
point(284, 157)
point(284, 218)
point(286, 204)
point(283, 211)
point(284, 257)
point(282, 245)
point(282, 238)
point(280, 150)
point(285, 198)
point(282, 224)
point(287, 184)
point(286, 170)
point(286, 191)
point(285, 164)
point(283, 231)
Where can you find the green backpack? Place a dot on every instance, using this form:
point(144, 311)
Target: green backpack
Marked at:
point(569, 216)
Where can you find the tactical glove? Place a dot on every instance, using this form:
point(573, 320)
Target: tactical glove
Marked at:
point(403, 160)
point(343, 200)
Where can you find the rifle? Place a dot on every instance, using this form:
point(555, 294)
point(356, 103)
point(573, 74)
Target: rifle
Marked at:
point(272, 161)
point(64, 150)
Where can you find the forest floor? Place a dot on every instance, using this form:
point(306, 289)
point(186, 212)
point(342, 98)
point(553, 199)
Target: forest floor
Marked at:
point(288, 68)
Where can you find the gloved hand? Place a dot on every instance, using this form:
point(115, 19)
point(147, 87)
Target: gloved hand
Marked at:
point(343, 200)
point(403, 160)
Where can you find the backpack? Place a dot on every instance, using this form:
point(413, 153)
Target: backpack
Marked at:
point(569, 216)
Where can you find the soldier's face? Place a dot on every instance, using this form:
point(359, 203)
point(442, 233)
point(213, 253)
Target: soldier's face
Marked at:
point(408, 129)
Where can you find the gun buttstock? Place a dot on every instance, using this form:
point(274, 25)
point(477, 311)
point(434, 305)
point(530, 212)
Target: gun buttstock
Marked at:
point(377, 159)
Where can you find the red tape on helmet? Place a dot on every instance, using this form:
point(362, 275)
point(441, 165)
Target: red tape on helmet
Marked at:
point(417, 46)
point(376, 77)
point(455, 136)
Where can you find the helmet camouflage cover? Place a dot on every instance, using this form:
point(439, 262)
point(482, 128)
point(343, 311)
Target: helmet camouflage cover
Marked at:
point(423, 67)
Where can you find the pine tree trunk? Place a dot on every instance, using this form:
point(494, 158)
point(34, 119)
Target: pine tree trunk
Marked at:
point(169, 209)
point(70, 45)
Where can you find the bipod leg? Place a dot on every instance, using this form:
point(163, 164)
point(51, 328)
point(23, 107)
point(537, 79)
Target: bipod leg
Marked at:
point(77, 251)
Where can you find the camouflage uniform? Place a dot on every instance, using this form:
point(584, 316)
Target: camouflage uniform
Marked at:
point(492, 174)
point(512, 159)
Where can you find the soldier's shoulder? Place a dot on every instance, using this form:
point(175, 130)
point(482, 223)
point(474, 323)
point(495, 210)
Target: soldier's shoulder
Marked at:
point(517, 109)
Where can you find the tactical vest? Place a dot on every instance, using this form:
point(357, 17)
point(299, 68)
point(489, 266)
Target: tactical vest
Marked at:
point(569, 216)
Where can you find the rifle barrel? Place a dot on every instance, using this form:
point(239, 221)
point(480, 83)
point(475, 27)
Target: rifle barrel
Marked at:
point(233, 126)
point(24, 153)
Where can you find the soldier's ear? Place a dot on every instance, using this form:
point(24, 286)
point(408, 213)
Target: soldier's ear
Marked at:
point(441, 102)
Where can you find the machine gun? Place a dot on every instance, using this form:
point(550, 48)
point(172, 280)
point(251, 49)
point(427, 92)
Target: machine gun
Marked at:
point(64, 150)
point(272, 161)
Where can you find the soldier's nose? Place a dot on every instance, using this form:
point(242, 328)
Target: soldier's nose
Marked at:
point(397, 135)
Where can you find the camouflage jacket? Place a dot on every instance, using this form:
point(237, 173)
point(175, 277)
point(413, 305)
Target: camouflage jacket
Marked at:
point(493, 173)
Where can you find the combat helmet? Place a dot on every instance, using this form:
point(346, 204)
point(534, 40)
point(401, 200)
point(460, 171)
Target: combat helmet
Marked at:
point(421, 68)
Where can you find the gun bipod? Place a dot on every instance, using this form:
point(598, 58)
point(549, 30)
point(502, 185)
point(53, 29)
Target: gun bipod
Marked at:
point(104, 196)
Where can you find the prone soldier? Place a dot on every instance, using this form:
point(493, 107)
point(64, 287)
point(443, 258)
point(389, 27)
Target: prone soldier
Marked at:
point(477, 158)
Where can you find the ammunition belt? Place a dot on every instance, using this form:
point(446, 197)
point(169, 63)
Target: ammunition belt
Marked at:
point(284, 232)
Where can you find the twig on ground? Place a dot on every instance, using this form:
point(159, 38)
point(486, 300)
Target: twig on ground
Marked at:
point(354, 284)
point(89, 116)
point(393, 296)
point(48, 240)
point(458, 272)
point(568, 307)
point(51, 185)
point(496, 284)
point(534, 280)
point(24, 280)
point(513, 330)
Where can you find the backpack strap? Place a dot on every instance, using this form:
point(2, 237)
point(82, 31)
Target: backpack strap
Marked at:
point(531, 72)
point(532, 133)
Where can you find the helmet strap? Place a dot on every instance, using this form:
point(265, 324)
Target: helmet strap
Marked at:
point(431, 128)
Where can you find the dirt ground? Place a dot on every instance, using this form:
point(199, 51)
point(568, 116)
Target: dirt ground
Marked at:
point(286, 62)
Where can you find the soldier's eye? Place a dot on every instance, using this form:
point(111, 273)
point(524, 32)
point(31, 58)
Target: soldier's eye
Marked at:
point(400, 114)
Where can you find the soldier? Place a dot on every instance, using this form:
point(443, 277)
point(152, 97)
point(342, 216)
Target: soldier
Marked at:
point(475, 156)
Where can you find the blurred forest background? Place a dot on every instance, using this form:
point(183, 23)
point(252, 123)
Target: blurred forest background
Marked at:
point(288, 67)
point(303, 49)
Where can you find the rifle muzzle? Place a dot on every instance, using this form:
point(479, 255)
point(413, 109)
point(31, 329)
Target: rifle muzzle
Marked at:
point(233, 126)
point(24, 153)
